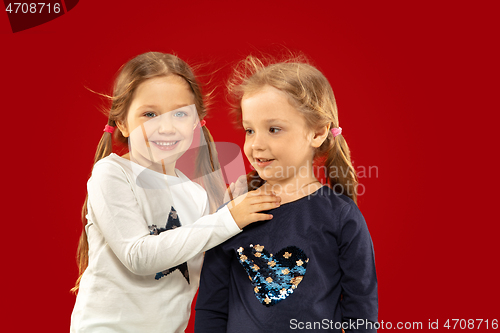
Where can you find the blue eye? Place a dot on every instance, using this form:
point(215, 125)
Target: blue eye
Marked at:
point(150, 115)
point(274, 130)
point(249, 131)
point(180, 114)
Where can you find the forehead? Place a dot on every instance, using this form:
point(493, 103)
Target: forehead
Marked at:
point(170, 89)
point(268, 103)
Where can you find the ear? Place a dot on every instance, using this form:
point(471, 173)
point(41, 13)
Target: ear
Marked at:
point(123, 128)
point(320, 136)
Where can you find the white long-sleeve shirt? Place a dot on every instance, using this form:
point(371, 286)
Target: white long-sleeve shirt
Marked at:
point(118, 291)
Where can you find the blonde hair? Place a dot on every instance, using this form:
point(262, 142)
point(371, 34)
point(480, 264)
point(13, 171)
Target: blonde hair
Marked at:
point(131, 75)
point(309, 91)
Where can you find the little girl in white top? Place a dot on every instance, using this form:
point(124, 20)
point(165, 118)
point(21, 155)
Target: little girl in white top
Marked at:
point(146, 224)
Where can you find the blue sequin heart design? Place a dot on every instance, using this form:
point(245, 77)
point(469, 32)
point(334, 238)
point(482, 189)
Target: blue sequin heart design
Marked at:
point(274, 277)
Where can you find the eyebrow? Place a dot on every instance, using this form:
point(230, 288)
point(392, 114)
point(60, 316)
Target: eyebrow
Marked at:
point(152, 106)
point(269, 120)
point(275, 119)
point(178, 106)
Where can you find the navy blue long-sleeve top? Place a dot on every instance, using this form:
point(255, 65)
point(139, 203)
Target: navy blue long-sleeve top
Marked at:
point(311, 267)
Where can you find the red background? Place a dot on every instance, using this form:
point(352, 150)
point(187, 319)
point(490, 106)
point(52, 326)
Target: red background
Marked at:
point(416, 85)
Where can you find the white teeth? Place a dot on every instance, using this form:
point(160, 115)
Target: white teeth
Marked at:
point(262, 160)
point(171, 143)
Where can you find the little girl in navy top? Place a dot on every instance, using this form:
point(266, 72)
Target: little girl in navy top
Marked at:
point(141, 250)
point(313, 268)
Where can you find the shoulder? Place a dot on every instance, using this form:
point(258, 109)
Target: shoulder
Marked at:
point(110, 180)
point(339, 206)
point(330, 200)
point(111, 167)
point(112, 161)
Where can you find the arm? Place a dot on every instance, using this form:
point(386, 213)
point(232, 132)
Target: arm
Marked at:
point(114, 210)
point(357, 262)
point(213, 296)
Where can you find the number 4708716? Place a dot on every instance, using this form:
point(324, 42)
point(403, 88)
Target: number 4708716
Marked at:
point(32, 8)
point(470, 324)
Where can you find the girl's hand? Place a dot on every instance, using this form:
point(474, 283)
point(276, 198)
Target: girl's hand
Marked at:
point(244, 208)
point(236, 189)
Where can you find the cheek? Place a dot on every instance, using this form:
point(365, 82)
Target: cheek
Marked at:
point(187, 132)
point(146, 125)
point(137, 140)
point(247, 149)
point(298, 142)
point(184, 127)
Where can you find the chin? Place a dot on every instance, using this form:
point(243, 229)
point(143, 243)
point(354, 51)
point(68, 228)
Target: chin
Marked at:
point(168, 155)
point(263, 176)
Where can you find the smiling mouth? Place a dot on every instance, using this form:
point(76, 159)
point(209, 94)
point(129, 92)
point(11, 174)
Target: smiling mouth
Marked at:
point(165, 145)
point(263, 162)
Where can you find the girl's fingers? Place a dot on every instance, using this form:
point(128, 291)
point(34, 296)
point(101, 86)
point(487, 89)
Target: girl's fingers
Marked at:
point(240, 199)
point(259, 191)
point(264, 199)
point(260, 217)
point(251, 200)
point(263, 206)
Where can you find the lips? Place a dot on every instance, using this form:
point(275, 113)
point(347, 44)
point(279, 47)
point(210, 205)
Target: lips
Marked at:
point(165, 145)
point(263, 162)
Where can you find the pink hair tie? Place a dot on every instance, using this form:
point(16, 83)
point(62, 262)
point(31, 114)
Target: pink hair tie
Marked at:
point(203, 122)
point(336, 131)
point(109, 129)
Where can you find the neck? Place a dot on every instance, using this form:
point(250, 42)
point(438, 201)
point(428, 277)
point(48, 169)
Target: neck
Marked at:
point(158, 166)
point(293, 188)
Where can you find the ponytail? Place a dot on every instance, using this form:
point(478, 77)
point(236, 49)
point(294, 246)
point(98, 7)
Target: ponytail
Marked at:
point(341, 176)
point(104, 148)
point(209, 170)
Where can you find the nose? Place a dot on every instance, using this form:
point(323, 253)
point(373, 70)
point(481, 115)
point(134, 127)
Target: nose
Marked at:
point(258, 142)
point(166, 125)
